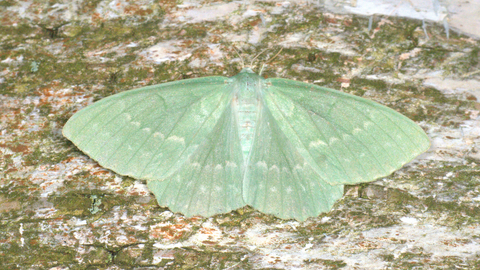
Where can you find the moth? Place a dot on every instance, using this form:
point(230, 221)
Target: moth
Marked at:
point(210, 145)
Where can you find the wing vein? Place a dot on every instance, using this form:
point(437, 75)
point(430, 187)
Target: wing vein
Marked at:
point(336, 132)
point(129, 136)
point(296, 133)
point(401, 129)
point(339, 127)
point(384, 132)
point(109, 121)
point(183, 151)
point(199, 173)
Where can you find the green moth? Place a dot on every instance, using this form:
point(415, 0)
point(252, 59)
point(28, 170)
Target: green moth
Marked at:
point(210, 145)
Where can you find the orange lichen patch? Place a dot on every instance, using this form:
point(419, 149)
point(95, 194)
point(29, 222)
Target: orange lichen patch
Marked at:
point(6, 21)
point(331, 20)
point(78, 91)
point(47, 185)
point(120, 192)
point(100, 171)
point(135, 10)
point(17, 148)
point(343, 80)
point(196, 218)
point(348, 22)
point(369, 245)
point(97, 17)
point(456, 242)
point(169, 5)
point(5, 240)
point(169, 231)
point(48, 90)
point(255, 22)
point(68, 160)
point(206, 230)
point(8, 205)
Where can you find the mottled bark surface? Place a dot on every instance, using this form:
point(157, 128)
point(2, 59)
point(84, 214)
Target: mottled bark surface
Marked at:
point(61, 210)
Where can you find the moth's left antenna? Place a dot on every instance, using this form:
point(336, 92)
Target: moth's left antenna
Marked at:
point(243, 62)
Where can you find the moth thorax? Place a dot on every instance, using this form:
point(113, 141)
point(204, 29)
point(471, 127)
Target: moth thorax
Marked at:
point(246, 106)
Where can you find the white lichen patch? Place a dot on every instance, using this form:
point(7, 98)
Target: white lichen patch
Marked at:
point(209, 233)
point(171, 50)
point(207, 13)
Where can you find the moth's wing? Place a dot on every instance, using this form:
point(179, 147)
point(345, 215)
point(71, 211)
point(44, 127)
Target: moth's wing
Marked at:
point(148, 133)
point(278, 179)
point(345, 138)
point(210, 182)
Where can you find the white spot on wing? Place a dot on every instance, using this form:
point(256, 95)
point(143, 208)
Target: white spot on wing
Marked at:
point(273, 189)
point(274, 167)
point(137, 124)
point(356, 130)
point(316, 144)
point(218, 167)
point(158, 134)
point(289, 189)
point(230, 188)
point(146, 129)
point(176, 139)
point(196, 165)
point(230, 164)
point(332, 140)
point(262, 164)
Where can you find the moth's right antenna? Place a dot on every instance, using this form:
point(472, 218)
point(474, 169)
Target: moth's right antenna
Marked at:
point(269, 60)
point(256, 56)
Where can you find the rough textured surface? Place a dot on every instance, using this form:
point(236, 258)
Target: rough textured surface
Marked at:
point(60, 210)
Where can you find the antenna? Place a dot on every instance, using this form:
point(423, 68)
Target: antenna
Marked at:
point(243, 62)
point(269, 60)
